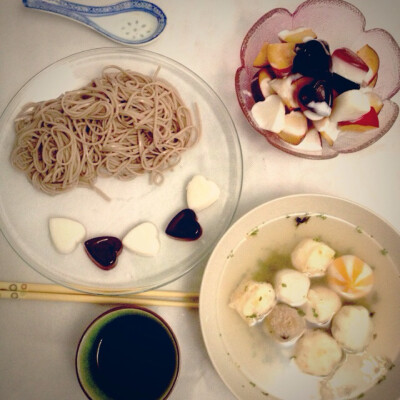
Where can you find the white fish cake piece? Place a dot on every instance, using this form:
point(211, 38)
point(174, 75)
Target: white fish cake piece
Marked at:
point(66, 234)
point(352, 327)
point(291, 287)
point(312, 257)
point(143, 239)
point(253, 300)
point(317, 353)
point(322, 304)
point(201, 193)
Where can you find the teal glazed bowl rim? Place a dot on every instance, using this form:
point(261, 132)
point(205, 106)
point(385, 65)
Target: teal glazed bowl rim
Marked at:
point(86, 382)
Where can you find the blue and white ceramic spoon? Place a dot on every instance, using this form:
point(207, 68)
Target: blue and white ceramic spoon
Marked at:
point(129, 22)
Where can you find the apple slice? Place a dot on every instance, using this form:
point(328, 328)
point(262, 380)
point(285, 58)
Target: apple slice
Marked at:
point(260, 85)
point(295, 128)
point(350, 105)
point(371, 58)
point(298, 35)
point(364, 123)
point(375, 101)
point(270, 113)
point(327, 129)
point(348, 64)
point(312, 141)
point(285, 88)
point(261, 59)
point(280, 57)
point(373, 82)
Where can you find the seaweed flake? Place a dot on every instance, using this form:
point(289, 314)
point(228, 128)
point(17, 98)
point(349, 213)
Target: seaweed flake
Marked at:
point(254, 232)
point(302, 220)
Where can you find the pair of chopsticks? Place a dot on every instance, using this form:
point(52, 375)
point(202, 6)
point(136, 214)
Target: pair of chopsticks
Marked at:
point(52, 292)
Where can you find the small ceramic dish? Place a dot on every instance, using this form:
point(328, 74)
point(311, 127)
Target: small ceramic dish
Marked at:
point(254, 364)
point(127, 352)
point(341, 25)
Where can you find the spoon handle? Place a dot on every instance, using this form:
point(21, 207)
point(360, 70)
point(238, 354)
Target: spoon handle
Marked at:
point(65, 7)
point(68, 9)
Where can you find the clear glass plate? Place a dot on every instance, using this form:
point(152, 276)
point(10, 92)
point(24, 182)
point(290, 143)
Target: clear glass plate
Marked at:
point(25, 211)
point(341, 25)
point(249, 362)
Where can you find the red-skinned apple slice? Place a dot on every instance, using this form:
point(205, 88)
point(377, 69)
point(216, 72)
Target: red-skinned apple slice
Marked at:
point(295, 128)
point(371, 58)
point(269, 114)
point(260, 87)
point(373, 82)
point(365, 123)
point(350, 105)
point(348, 64)
point(261, 59)
point(280, 57)
point(375, 101)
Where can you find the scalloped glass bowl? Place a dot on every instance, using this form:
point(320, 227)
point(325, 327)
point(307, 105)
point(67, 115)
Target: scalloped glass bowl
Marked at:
point(341, 25)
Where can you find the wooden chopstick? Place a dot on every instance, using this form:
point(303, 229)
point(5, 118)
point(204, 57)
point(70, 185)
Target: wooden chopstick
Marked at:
point(50, 292)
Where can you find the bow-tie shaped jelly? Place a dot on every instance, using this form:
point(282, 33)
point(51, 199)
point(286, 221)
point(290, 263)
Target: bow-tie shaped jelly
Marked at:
point(104, 251)
point(184, 226)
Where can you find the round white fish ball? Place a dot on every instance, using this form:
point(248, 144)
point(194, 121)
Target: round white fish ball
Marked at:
point(253, 300)
point(312, 257)
point(317, 353)
point(291, 287)
point(322, 304)
point(352, 327)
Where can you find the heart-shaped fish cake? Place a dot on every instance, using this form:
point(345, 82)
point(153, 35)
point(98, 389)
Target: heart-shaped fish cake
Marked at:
point(143, 239)
point(65, 234)
point(184, 226)
point(201, 193)
point(104, 251)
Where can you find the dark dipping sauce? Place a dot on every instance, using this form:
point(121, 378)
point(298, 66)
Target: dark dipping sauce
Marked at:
point(134, 356)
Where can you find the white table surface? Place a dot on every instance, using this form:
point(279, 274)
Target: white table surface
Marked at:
point(38, 339)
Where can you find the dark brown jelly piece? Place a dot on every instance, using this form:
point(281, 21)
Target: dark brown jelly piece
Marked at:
point(104, 251)
point(341, 84)
point(312, 58)
point(184, 226)
point(318, 91)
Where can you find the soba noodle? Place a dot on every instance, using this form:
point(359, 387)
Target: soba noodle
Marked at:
point(122, 124)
